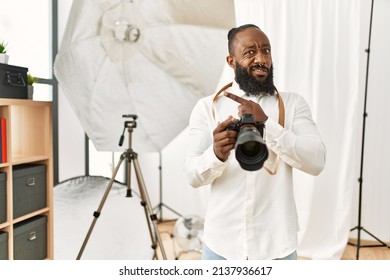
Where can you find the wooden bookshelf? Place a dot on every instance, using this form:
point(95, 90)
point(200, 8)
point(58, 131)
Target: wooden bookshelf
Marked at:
point(29, 141)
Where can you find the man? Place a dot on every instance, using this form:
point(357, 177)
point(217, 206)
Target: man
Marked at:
point(251, 214)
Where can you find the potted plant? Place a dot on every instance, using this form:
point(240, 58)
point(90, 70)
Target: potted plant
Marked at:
point(30, 85)
point(3, 52)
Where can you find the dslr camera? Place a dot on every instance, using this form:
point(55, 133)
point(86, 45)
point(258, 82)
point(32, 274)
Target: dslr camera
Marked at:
point(250, 148)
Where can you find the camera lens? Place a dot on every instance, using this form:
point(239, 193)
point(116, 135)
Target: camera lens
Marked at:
point(251, 150)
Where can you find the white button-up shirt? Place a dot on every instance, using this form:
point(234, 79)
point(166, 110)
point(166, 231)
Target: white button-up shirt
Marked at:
point(252, 214)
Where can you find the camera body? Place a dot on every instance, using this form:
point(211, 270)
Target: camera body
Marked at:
point(250, 149)
point(246, 119)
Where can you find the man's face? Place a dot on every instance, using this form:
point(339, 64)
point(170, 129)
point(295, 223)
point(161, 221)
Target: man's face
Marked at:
point(252, 62)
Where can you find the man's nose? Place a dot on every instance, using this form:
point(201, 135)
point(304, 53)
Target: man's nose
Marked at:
point(260, 57)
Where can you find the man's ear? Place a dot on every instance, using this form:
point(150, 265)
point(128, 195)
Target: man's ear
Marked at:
point(230, 60)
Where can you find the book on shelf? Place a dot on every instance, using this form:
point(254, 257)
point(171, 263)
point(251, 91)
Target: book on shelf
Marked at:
point(3, 139)
point(1, 144)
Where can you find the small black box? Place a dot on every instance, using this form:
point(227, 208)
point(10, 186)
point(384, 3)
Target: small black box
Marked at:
point(3, 197)
point(30, 239)
point(29, 188)
point(13, 81)
point(3, 245)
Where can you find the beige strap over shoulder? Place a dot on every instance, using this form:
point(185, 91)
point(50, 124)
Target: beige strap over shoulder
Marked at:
point(280, 121)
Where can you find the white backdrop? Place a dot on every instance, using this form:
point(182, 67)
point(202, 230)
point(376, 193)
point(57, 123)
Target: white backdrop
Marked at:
point(318, 51)
point(315, 49)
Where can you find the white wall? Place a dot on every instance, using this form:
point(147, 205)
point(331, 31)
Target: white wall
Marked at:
point(20, 31)
point(70, 133)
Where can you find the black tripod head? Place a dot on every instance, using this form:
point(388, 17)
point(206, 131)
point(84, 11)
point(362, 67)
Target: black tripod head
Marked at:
point(130, 124)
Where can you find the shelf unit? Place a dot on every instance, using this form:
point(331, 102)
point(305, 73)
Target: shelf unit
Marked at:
point(29, 141)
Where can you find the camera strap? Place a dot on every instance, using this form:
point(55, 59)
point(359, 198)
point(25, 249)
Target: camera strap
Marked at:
point(280, 121)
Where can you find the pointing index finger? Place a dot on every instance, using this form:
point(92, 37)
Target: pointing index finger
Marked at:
point(236, 98)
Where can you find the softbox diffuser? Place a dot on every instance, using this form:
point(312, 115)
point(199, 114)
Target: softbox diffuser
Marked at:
point(152, 58)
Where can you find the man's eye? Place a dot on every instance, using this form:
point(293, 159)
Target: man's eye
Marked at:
point(266, 51)
point(250, 52)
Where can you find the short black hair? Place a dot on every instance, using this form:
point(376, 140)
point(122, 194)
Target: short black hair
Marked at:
point(232, 34)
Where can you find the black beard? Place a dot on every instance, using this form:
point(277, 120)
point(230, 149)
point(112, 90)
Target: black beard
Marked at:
point(252, 86)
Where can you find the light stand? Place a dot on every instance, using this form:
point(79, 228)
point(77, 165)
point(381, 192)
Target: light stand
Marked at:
point(131, 157)
point(359, 227)
point(160, 206)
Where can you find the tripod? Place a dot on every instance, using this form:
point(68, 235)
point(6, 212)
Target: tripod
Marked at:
point(131, 157)
point(359, 227)
point(161, 204)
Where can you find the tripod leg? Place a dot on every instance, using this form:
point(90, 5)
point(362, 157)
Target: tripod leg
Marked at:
point(152, 237)
point(96, 214)
point(382, 244)
point(358, 242)
point(160, 206)
point(148, 206)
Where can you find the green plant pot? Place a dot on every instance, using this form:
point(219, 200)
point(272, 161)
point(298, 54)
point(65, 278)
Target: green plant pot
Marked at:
point(4, 58)
point(30, 91)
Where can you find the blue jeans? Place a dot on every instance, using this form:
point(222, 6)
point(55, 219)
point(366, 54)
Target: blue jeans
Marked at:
point(208, 254)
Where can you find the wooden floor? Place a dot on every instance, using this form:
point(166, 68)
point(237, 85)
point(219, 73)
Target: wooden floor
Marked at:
point(365, 253)
point(166, 233)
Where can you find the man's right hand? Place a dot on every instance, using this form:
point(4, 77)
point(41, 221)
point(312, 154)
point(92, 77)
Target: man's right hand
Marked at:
point(224, 140)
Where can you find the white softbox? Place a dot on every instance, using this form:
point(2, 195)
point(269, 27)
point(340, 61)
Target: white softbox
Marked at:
point(152, 58)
